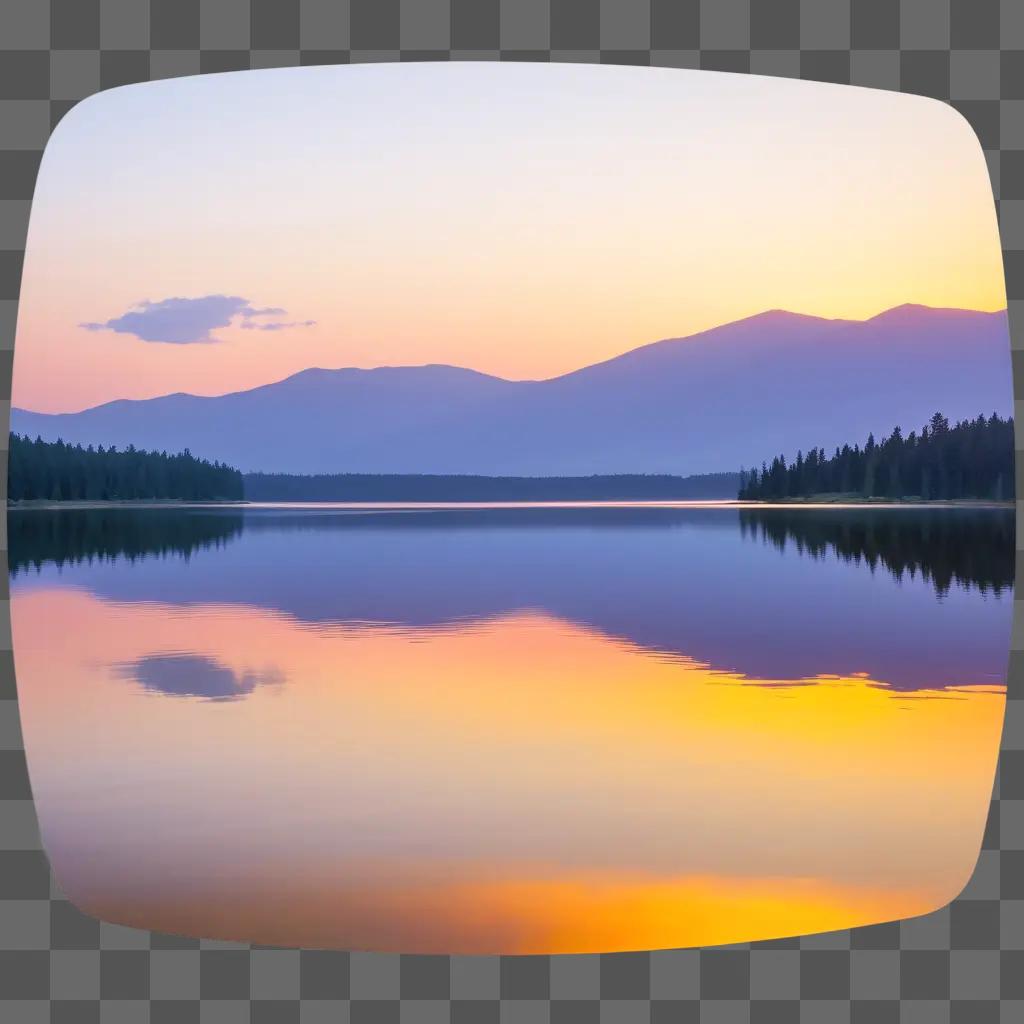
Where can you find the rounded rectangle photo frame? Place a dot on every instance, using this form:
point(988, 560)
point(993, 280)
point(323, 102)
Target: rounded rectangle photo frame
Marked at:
point(963, 962)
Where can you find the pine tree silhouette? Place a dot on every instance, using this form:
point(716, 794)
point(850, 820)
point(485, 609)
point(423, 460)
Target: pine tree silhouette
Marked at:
point(972, 459)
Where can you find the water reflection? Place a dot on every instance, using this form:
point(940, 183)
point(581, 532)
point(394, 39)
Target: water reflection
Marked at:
point(682, 582)
point(947, 547)
point(971, 548)
point(58, 537)
point(195, 675)
point(452, 732)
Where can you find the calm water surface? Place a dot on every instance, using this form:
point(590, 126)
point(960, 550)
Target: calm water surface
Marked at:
point(511, 730)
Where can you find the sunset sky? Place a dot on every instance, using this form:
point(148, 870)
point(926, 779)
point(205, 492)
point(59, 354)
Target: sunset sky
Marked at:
point(520, 219)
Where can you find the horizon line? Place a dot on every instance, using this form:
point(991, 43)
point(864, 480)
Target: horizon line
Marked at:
point(529, 380)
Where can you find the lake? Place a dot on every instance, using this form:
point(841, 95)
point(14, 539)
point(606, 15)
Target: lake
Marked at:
point(511, 730)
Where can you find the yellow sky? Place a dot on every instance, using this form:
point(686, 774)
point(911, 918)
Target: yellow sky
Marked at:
point(519, 219)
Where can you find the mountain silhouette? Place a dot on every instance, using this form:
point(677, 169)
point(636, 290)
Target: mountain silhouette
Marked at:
point(730, 396)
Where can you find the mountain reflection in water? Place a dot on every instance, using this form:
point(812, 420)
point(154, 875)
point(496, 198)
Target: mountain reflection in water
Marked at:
point(511, 730)
point(902, 595)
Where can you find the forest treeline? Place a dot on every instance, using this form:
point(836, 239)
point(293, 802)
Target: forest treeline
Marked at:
point(425, 487)
point(56, 471)
point(973, 459)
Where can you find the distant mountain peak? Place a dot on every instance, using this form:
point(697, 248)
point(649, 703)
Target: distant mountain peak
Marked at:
point(915, 311)
point(387, 370)
point(781, 314)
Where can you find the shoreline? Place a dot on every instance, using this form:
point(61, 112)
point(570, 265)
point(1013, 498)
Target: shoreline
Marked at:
point(807, 503)
point(27, 506)
point(823, 500)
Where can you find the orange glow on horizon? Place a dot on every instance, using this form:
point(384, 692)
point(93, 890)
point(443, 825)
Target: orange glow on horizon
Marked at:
point(581, 913)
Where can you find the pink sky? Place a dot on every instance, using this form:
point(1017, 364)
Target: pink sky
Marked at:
point(520, 219)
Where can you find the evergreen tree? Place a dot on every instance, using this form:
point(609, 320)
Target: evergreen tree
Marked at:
point(972, 459)
point(57, 471)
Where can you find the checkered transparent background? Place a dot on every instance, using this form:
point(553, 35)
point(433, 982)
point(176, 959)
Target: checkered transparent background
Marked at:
point(964, 963)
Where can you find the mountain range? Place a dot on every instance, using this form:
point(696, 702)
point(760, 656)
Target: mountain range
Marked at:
point(731, 396)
